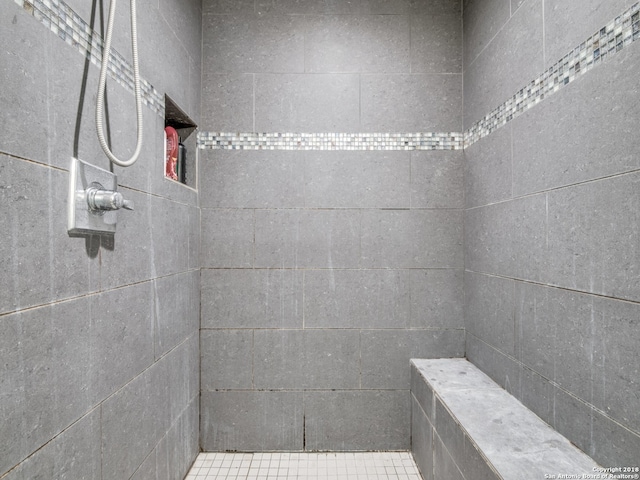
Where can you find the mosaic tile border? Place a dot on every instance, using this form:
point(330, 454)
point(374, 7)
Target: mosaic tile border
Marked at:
point(603, 44)
point(606, 42)
point(330, 141)
point(58, 17)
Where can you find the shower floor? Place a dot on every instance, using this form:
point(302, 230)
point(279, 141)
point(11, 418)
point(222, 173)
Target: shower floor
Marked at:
point(309, 466)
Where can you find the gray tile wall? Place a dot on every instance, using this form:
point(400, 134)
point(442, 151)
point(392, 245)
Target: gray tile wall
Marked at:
point(100, 352)
point(551, 226)
point(324, 272)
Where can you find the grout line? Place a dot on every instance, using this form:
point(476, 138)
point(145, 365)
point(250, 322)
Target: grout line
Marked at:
point(555, 287)
point(554, 189)
point(92, 293)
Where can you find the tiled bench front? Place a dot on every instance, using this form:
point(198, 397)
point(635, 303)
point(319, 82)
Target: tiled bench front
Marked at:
point(466, 427)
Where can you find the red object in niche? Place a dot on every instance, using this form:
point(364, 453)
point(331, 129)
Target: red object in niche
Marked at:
point(171, 153)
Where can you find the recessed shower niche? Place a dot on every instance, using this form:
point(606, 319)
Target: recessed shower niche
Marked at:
point(180, 145)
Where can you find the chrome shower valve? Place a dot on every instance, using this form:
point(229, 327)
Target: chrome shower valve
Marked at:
point(101, 200)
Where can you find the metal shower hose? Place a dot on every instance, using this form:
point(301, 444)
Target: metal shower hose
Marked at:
point(103, 80)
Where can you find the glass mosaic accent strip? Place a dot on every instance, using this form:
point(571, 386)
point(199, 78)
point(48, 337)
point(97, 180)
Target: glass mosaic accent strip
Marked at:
point(606, 42)
point(58, 17)
point(603, 44)
point(330, 141)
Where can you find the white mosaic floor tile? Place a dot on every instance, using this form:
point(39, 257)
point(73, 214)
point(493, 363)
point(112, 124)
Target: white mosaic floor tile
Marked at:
point(308, 466)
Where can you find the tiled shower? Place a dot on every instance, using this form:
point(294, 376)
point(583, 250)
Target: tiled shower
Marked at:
point(375, 181)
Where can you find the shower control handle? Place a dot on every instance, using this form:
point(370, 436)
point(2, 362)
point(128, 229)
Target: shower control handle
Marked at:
point(101, 200)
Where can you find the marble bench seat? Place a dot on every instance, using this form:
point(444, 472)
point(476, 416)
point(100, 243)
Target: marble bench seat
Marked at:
point(465, 426)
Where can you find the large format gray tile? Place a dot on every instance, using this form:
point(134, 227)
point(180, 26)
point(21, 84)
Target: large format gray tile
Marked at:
point(357, 179)
point(437, 298)
point(185, 21)
point(593, 237)
point(550, 320)
point(194, 107)
point(536, 393)
point(488, 169)
point(503, 369)
point(621, 333)
point(508, 239)
point(139, 413)
point(46, 375)
point(357, 44)
point(253, 43)
point(75, 453)
point(619, 445)
point(24, 53)
point(436, 44)
point(482, 21)
point(435, 7)
point(489, 310)
point(226, 359)
point(357, 298)
point(577, 134)
point(122, 343)
point(227, 238)
point(388, 7)
point(421, 440)
point(307, 238)
point(511, 61)
point(449, 434)
point(357, 420)
point(437, 179)
point(227, 101)
point(251, 299)
point(306, 359)
point(386, 354)
point(178, 449)
point(411, 103)
point(181, 375)
point(411, 239)
point(39, 261)
point(156, 34)
point(307, 103)
point(169, 236)
point(126, 257)
point(221, 7)
point(177, 309)
point(151, 412)
point(421, 391)
point(194, 238)
point(251, 179)
point(307, 7)
point(148, 469)
point(251, 421)
point(443, 465)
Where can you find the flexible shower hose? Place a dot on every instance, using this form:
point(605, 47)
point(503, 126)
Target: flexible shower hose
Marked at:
point(103, 80)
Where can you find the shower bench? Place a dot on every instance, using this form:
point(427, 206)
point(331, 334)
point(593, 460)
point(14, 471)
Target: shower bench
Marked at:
point(466, 427)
